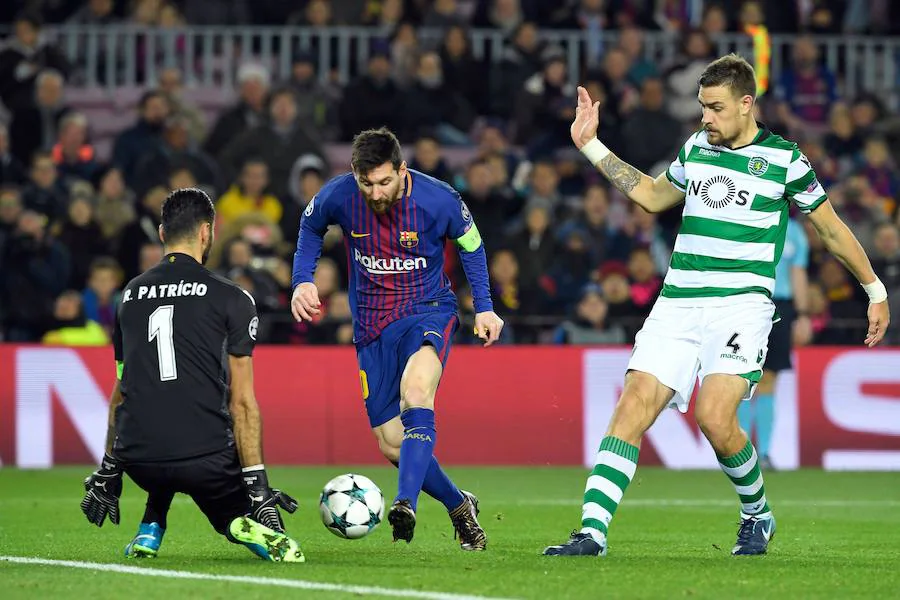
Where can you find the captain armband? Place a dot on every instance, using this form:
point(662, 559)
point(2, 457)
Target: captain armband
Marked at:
point(470, 241)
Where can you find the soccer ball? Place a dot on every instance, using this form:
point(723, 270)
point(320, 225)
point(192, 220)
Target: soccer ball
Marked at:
point(351, 506)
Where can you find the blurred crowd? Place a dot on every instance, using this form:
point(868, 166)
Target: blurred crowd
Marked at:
point(571, 260)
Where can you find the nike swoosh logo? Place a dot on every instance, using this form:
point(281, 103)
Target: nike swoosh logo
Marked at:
point(359, 235)
point(767, 532)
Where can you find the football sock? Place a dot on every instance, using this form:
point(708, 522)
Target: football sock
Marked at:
point(765, 422)
point(746, 413)
point(416, 452)
point(743, 471)
point(613, 470)
point(157, 509)
point(439, 486)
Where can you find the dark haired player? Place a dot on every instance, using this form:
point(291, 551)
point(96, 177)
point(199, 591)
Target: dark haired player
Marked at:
point(397, 221)
point(713, 317)
point(183, 415)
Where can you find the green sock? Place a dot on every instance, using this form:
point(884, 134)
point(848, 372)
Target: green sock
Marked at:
point(743, 471)
point(613, 471)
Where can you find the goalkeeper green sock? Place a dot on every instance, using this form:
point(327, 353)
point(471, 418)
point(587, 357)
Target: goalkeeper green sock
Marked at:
point(613, 471)
point(743, 471)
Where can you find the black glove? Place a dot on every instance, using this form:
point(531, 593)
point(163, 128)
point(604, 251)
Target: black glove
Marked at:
point(103, 488)
point(263, 500)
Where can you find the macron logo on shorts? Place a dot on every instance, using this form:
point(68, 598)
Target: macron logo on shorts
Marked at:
point(388, 266)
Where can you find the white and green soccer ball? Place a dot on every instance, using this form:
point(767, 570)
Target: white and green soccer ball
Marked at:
point(351, 506)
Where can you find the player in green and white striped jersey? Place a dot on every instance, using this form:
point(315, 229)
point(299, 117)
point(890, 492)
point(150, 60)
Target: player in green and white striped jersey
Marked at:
point(714, 314)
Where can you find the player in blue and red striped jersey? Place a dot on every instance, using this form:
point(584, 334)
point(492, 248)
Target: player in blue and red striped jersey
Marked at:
point(396, 222)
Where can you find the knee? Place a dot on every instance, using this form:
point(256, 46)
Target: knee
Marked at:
point(417, 394)
point(389, 450)
point(717, 425)
point(636, 409)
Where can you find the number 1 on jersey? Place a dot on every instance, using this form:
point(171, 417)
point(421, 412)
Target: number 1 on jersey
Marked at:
point(161, 329)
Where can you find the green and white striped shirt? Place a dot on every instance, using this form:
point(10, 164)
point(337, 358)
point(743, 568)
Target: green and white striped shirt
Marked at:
point(735, 215)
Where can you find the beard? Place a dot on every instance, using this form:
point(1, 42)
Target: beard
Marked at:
point(383, 205)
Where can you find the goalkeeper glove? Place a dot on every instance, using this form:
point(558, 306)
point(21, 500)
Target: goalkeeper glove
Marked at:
point(265, 500)
point(103, 488)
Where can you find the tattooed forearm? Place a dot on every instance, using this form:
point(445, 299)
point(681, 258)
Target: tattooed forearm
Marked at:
point(621, 174)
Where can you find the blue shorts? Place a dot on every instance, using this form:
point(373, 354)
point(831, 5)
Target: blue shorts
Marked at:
point(382, 361)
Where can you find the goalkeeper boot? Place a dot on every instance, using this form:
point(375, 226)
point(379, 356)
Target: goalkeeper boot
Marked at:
point(147, 541)
point(754, 534)
point(266, 543)
point(578, 544)
point(465, 524)
point(403, 520)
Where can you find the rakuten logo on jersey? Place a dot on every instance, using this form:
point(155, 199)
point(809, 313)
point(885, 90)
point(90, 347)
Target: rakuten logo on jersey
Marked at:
point(388, 266)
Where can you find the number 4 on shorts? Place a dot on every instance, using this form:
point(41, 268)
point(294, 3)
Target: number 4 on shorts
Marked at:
point(732, 343)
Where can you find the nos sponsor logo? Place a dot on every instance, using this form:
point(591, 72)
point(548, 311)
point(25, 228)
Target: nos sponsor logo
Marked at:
point(718, 192)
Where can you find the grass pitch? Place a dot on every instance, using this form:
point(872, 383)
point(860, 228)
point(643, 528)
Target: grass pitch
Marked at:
point(838, 537)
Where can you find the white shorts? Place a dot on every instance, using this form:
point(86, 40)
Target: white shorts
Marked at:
point(677, 343)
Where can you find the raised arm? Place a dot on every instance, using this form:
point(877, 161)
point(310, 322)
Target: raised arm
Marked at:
point(653, 195)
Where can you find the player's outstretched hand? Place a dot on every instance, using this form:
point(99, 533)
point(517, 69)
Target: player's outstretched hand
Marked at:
point(879, 319)
point(587, 119)
point(305, 302)
point(102, 490)
point(488, 327)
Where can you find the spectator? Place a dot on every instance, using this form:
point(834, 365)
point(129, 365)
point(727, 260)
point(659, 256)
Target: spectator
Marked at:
point(806, 91)
point(115, 206)
point(34, 128)
point(462, 71)
point(172, 85)
point(45, 193)
point(81, 234)
point(569, 272)
point(886, 262)
point(371, 100)
point(845, 304)
point(631, 42)
point(589, 324)
point(882, 175)
point(681, 76)
point(25, 56)
point(74, 157)
point(651, 121)
point(443, 14)
point(249, 112)
point(176, 151)
point(433, 105)
point(427, 158)
point(645, 280)
point(860, 207)
point(519, 60)
point(405, 52)
point(307, 178)
point(544, 112)
point(510, 299)
point(593, 223)
point(622, 311)
point(143, 230)
point(36, 269)
point(12, 172)
point(249, 195)
point(533, 246)
point(143, 138)
point(622, 96)
point(151, 254)
point(842, 142)
point(714, 20)
point(316, 103)
point(70, 326)
point(103, 292)
point(490, 208)
point(278, 143)
point(505, 15)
